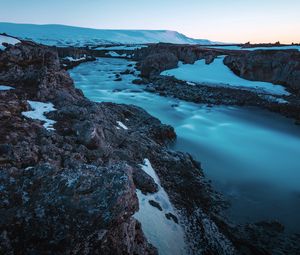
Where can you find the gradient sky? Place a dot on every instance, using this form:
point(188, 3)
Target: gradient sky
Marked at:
point(218, 20)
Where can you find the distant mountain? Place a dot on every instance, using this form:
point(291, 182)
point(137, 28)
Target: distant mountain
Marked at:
point(61, 35)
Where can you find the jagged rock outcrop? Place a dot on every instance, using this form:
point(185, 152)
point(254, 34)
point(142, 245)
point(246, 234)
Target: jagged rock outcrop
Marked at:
point(59, 191)
point(159, 57)
point(65, 210)
point(279, 67)
point(154, 64)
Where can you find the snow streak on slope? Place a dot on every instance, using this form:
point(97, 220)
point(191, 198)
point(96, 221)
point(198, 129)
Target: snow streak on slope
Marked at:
point(60, 35)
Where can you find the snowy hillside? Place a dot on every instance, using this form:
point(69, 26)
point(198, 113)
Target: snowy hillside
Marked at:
point(66, 35)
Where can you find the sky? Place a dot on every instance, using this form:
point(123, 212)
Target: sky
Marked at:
point(217, 20)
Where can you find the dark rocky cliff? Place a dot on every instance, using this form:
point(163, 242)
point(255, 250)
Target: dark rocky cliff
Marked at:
point(278, 67)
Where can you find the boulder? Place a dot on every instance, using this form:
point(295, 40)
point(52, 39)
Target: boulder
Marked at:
point(154, 64)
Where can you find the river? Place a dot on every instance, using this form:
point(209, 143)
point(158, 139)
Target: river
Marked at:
point(251, 155)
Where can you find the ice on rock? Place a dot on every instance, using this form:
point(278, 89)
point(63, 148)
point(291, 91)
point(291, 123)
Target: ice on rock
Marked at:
point(38, 111)
point(163, 233)
point(71, 59)
point(120, 124)
point(147, 168)
point(115, 54)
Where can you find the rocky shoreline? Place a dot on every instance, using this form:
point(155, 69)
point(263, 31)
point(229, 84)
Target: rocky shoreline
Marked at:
point(279, 67)
point(72, 190)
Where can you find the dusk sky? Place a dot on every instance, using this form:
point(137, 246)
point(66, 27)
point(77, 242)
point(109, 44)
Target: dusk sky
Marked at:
point(218, 20)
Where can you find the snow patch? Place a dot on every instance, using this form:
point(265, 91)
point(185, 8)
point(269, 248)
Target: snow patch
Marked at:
point(163, 233)
point(115, 54)
point(122, 125)
point(190, 83)
point(39, 109)
point(147, 168)
point(4, 87)
point(122, 47)
point(71, 59)
point(7, 39)
point(218, 74)
point(275, 99)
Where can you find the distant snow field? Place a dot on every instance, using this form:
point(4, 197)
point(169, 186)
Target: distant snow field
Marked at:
point(59, 35)
point(7, 39)
point(218, 74)
point(39, 109)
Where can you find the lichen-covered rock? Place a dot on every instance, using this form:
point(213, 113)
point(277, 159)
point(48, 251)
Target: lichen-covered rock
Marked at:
point(43, 208)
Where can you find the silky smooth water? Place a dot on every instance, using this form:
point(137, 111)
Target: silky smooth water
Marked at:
point(252, 156)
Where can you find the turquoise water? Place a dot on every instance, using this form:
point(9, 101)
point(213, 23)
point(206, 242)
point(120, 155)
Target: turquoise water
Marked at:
point(252, 156)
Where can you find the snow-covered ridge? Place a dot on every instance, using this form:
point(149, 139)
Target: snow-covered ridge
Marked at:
point(60, 35)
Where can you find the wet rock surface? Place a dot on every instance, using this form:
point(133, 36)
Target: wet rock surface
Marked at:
point(73, 190)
